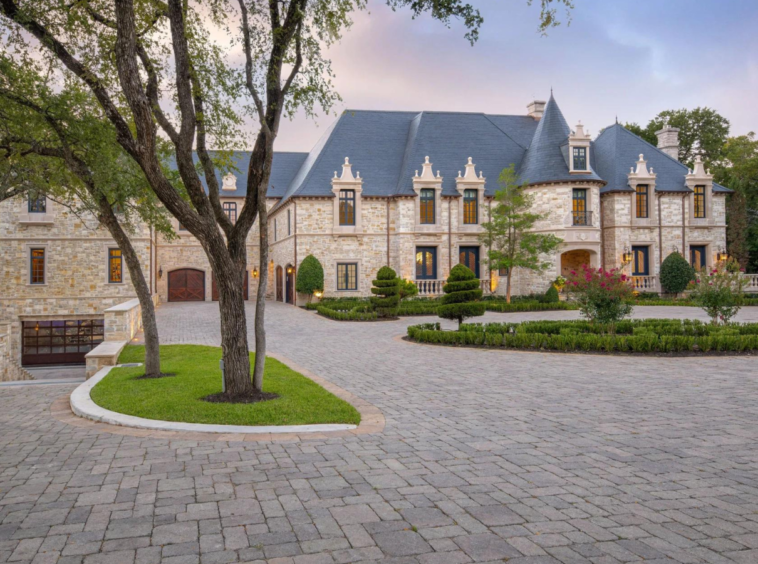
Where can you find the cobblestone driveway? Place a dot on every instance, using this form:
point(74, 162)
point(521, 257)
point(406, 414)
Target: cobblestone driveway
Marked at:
point(486, 456)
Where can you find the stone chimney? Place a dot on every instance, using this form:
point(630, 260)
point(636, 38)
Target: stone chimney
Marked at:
point(668, 141)
point(536, 109)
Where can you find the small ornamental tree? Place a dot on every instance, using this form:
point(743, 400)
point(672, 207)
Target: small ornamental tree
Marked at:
point(676, 274)
point(551, 296)
point(461, 294)
point(602, 295)
point(720, 292)
point(408, 289)
point(386, 290)
point(310, 277)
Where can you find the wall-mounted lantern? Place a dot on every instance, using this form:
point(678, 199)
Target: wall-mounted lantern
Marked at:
point(290, 270)
point(626, 258)
point(722, 255)
point(256, 274)
point(160, 273)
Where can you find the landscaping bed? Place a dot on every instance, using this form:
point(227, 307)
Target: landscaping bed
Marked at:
point(300, 400)
point(652, 336)
point(359, 309)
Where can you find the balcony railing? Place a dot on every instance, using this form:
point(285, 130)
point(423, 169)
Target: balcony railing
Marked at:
point(752, 283)
point(581, 218)
point(434, 287)
point(645, 283)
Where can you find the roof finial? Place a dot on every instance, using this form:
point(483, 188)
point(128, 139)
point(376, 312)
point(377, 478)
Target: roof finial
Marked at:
point(617, 119)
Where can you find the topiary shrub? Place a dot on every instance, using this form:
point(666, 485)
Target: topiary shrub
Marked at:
point(310, 277)
point(461, 294)
point(551, 296)
point(676, 273)
point(408, 289)
point(386, 290)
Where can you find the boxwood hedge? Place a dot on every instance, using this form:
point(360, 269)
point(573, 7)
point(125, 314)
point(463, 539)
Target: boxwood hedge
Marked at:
point(631, 336)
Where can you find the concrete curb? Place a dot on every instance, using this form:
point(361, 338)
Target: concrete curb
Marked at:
point(82, 405)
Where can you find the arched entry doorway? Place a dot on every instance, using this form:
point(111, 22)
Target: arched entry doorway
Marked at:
point(186, 285)
point(279, 284)
point(574, 260)
point(289, 295)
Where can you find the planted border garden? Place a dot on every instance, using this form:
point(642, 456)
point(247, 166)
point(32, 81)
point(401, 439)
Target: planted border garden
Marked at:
point(660, 336)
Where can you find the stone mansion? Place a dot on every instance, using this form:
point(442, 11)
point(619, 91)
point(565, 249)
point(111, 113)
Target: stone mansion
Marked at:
point(407, 189)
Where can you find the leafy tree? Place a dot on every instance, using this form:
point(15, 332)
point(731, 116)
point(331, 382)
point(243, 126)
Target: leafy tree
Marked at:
point(702, 131)
point(720, 292)
point(510, 242)
point(73, 158)
point(462, 293)
point(738, 170)
point(676, 273)
point(156, 71)
point(310, 276)
point(603, 296)
point(386, 290)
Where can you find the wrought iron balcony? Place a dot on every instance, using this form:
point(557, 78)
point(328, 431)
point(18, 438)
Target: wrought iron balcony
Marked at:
point(581, 218)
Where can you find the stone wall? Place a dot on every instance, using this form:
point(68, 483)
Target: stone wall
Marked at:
point(123, 321)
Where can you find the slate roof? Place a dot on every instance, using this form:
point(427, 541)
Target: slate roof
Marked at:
point(617, 149)
point(283, 169)
point(387, 147)
point(545, 160)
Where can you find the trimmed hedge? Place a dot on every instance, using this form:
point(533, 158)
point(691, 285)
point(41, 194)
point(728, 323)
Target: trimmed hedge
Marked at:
point(355, 314)
point(461, 297)
point(632, 336)
point(310, 276)
point(386, 292)
point(676, 273)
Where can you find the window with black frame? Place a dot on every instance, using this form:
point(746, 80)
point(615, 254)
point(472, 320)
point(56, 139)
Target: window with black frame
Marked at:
point(115, 266)
point(230, 209)
point(427, 206)
point(347, 207)
point(37, 203)
point(579, 207)
point(470, 207)
point(347, 276)
point(642, 201)
point(700, 202)
point(580, 158)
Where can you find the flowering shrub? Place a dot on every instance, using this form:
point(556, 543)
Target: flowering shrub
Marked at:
point(603, 295)
point(720, 292)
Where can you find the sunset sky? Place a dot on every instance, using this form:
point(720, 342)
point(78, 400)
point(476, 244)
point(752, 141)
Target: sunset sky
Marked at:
point(631, 58)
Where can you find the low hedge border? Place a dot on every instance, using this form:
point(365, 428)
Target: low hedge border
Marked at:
point(354, 314)
point(646, 336)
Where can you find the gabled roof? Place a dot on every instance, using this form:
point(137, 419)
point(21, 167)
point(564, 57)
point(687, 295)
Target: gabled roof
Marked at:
point(545, 160)
point(617, 149)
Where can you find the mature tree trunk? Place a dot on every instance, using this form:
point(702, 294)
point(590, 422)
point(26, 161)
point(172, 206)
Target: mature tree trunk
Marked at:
point(260, 301)
point(508, 287)
point(149, 325)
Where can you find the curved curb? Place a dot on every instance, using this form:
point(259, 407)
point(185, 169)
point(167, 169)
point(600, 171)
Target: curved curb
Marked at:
point(82, 410)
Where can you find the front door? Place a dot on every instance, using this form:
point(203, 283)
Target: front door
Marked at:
point(469, 256)
point(640, 262)
point(214, 293)
point(697, 256)
point(290, 286)
point(279, 284)
point(426, 263)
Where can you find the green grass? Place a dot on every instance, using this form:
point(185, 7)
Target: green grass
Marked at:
point(179, 398)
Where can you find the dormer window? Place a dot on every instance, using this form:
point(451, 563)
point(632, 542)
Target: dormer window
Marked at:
point(37, 203)
point(580, 158)
point(642, 195)
point(347, 207)
point(699, 201)
point(427, 206)
point(230, 209)
point(470, 207)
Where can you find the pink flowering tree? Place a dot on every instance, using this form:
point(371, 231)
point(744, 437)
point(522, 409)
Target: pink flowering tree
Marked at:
point(603, 295)
point(720, 291)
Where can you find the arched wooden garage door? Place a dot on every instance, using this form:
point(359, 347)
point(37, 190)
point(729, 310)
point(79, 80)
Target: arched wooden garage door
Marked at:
point(214, 289)
point(186, 285)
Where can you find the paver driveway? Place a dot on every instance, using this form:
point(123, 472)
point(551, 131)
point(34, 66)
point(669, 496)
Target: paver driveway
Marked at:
point(486, 456)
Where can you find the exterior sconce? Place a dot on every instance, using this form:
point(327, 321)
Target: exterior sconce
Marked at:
point(255, 273)
point(722, 255)
point(626, 258)
point(160, 273)
point(290, 270)
point(318, 294)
